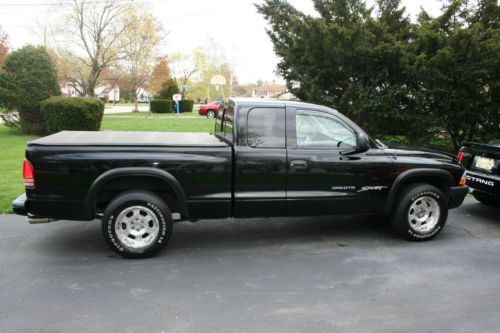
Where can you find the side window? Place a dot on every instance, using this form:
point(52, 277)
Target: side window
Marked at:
point(320, 130)
point(266, 128)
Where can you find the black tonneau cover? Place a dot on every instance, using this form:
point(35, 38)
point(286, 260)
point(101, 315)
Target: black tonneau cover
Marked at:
point(105, 138)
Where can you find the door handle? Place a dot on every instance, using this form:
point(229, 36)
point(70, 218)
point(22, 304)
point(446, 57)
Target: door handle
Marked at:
point(298, 164)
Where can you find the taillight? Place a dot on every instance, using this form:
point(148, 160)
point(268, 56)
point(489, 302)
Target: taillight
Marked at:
point(28, 174)
point(460, 156)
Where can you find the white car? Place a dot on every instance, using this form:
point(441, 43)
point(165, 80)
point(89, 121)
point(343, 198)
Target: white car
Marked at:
point(143, 100)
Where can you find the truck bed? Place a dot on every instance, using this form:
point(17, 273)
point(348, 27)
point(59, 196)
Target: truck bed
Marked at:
point(105, 138)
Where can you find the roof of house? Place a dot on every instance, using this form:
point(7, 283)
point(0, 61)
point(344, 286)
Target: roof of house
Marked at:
point(272, 87)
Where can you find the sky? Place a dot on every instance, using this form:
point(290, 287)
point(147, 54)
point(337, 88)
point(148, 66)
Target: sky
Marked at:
point(235, 24)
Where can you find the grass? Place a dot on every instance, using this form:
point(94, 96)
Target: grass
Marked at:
point(158, 124)
point(13, 144)
point(154, 115)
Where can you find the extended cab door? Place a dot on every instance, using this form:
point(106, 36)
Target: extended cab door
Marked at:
point(325, 173)
point(260, 162)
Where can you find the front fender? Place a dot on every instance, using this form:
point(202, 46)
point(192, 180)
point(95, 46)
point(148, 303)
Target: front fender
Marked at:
point(406, 176)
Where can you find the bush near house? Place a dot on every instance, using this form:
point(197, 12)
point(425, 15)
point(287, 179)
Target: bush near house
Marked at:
point(186, 105)
point(161, 106)
point(71, 114)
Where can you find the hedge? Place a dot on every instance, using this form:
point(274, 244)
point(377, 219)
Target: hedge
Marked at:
point(186, 105)
point(161, 106)
point(72, 114)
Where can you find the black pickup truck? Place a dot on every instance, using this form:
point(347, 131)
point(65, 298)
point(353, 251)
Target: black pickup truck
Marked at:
point(267, 158)
point(483, 170)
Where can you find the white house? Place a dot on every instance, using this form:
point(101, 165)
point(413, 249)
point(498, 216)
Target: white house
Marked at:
point(269, 90)
point(107, 91)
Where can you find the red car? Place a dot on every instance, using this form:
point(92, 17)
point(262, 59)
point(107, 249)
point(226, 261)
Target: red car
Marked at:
point(210, 110)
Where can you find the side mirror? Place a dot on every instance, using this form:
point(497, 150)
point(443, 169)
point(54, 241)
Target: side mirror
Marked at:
point(363, 145)
point(363, 142)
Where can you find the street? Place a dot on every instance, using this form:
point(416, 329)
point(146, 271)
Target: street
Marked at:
point(261, 275)
point(111, 109)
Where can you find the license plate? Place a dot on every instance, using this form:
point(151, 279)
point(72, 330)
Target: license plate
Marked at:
point(484, 163)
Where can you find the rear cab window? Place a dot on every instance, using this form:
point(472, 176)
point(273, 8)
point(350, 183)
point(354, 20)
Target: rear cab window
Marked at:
point(266, 128)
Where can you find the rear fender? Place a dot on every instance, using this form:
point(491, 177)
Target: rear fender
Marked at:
point(91, 197)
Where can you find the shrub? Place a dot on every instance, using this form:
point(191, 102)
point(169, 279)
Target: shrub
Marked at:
point(71, 113)
point(168, 89)
point(28, 77)
point(186, 105)
point(161, 106)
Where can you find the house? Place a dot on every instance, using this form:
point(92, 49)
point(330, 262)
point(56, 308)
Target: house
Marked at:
point(68, 89)
point(269, 90)
point(107, 91)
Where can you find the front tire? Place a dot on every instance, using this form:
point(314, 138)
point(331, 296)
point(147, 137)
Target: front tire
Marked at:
point(137, 224)
point(420, 213)
point(210, 114)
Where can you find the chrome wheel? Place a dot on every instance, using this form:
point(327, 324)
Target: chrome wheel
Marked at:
point(137, 227)
point(210, 114)
point(423, 214)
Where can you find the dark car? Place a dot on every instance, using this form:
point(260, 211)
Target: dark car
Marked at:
point(210, 110)
point(267, 159)
point(482, 162)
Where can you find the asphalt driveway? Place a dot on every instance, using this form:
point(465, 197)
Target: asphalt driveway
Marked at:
point(277, 275)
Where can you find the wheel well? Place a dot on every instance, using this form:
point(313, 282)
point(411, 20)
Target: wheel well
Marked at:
point(440, 182)
point(115, 186)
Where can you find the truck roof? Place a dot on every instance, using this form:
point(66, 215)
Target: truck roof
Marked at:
point(277, 102)
point(108, 138)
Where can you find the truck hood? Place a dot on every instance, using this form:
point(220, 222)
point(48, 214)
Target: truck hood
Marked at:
point(401, 151)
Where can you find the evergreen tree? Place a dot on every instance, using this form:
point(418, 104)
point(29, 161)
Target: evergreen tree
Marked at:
point(28, 77)
point(169, 88)
point(392, 76)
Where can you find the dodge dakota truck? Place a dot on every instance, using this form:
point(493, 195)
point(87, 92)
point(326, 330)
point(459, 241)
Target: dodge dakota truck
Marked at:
point(482, 162)
point(266, 158)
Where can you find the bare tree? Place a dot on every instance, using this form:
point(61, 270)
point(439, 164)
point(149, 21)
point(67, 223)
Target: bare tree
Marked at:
point(98, 27)
point(184, 66)
point(141, 50)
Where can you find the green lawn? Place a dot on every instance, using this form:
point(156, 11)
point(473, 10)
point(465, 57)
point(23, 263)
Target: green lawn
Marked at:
point(11, 161)
point(158, 124)
point(12, 145)
point(154, 115)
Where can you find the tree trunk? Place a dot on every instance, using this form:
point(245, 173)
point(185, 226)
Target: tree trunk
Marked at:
point(136, 93)
point(91, 88)
point(136, 105)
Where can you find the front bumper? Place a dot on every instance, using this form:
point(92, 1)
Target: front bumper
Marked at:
point(19, 205)
point(457, 195)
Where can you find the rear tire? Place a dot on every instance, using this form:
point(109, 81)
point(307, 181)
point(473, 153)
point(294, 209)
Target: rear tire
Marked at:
point(420, 213)
point(484, 199)
point(210, 114)
point(137, 224)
